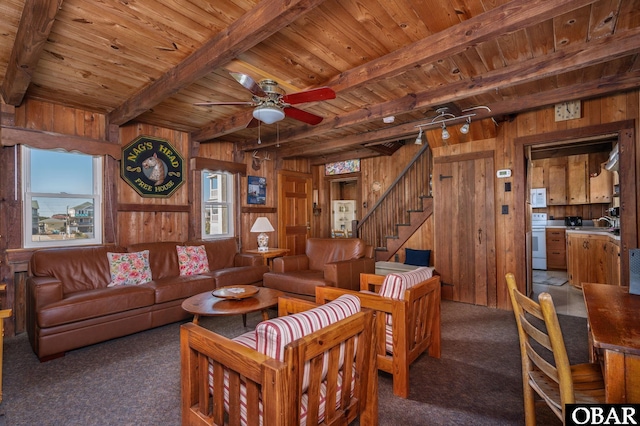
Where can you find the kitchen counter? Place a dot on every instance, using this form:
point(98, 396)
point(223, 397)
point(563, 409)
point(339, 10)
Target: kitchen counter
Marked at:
point(592, 230)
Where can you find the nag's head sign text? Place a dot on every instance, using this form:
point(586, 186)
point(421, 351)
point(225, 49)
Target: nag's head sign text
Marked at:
point(152, 167)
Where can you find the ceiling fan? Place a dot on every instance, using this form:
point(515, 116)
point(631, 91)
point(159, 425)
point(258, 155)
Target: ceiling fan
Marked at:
point(272, 104)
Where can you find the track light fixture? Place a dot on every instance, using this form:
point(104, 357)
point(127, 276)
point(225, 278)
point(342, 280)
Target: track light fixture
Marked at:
point(419, 138)
point(444, 116)
point(465, 127)
point(445, 132)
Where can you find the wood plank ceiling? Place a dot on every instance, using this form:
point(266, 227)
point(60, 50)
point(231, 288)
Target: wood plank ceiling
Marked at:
point(149, 61)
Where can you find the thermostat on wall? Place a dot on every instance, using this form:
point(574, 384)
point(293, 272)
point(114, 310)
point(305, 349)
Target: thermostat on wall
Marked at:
point(504, 173)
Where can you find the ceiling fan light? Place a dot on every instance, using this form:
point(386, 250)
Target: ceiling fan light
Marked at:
point(268, 114)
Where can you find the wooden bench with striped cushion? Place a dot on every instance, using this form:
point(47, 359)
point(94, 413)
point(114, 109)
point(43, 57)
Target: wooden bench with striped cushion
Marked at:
point(284, 372)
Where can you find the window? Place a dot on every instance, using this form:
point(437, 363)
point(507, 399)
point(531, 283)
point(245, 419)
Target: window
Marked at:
point(63, 198)
point(217, 204)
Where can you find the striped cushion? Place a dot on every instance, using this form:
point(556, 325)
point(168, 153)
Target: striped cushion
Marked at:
point(247, 339)
point(304, 403)
point(388, 337)
point(395, 285)
point(273, 335)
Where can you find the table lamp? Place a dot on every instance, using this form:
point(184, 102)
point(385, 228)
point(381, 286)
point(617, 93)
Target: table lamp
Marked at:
point(262, 225)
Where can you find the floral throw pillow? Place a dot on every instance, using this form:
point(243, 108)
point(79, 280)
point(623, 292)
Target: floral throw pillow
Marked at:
point(129, 268)
point(192, 260)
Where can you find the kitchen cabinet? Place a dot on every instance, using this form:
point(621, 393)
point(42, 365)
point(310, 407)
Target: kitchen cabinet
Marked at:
point(600, 187)
point(569, 182)
point(556, 249)
point(578, 179)
point(613, 262)
point(557, 190)
point(537, 177)
point(592, 258)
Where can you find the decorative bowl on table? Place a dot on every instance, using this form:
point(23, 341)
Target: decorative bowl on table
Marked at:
point(235, 292)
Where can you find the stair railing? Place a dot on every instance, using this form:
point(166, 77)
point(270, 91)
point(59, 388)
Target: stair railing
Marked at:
point(404, 195)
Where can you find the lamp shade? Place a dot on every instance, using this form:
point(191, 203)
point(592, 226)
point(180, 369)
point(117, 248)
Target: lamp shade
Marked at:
point(268, 114)
point(262, 224)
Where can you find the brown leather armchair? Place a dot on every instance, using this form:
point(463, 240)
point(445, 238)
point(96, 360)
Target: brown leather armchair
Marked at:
point(335, 262)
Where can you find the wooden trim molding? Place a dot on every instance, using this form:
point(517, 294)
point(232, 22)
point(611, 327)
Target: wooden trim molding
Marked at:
point(11, 136)
point(201, 163)
point(259, 210)
point(124, 207)
point(629, 196)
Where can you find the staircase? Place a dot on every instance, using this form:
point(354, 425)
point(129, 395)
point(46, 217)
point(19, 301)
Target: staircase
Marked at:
point(401, 210)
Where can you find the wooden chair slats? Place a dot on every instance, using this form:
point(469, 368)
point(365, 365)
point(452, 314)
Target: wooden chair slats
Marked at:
point(549, 376)
point(260, 383)
point(415, 323)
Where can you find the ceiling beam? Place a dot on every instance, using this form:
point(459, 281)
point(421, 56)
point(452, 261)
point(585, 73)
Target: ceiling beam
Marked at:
point(590, 89)
point(35, 25)
point(569, 59)
point(501, 20)
point(343, 156)
point(504, 19)
point(262, 21)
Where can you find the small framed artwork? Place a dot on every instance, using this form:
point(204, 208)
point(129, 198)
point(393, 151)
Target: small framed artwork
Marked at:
point(257, 190)
point(342, 167)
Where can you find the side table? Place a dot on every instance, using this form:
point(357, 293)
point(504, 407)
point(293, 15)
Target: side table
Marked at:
point(269, 255)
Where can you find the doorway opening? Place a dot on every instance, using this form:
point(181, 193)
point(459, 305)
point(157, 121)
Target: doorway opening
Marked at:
point(344, 195)
point(597, 142)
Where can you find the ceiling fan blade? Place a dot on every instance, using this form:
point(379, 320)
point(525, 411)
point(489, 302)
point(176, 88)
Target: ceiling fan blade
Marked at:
point(249, 84)
point(304, 116)
point(222, 103)
point(319, 94)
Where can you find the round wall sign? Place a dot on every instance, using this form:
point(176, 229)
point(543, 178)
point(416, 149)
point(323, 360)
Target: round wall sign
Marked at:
point(152, 167)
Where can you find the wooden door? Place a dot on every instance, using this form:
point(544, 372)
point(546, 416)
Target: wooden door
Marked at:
point(294, 210)
point(465, 227)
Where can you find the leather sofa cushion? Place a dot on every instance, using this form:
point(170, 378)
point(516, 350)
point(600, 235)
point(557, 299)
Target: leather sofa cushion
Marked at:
point(78, 268)
point(296, 282)
point(181, 287)
point(95, 303)
point(240, 275)
point(326, 250)
point(163, 258)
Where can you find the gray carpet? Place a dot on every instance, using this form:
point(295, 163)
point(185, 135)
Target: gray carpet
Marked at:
point(135, 380)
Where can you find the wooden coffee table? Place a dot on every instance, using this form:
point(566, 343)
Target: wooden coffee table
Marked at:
point(208, 305)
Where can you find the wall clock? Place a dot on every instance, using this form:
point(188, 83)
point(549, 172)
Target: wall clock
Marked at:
point(568, 110)
point(376, 186)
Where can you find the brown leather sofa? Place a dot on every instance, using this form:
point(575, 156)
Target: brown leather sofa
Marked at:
point(69, 304)
point(336, 262)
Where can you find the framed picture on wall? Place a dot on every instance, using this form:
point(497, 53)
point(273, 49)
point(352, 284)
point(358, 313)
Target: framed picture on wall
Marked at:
point(257, 190)
point(342, 167)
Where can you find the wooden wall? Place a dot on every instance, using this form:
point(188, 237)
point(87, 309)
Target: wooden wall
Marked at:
point(509, 251)
point(138, 219)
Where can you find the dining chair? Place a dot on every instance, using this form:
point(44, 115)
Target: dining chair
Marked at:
point(546, 370)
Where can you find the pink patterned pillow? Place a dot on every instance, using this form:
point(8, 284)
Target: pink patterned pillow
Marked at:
point(192, 259)
point(129, 268)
